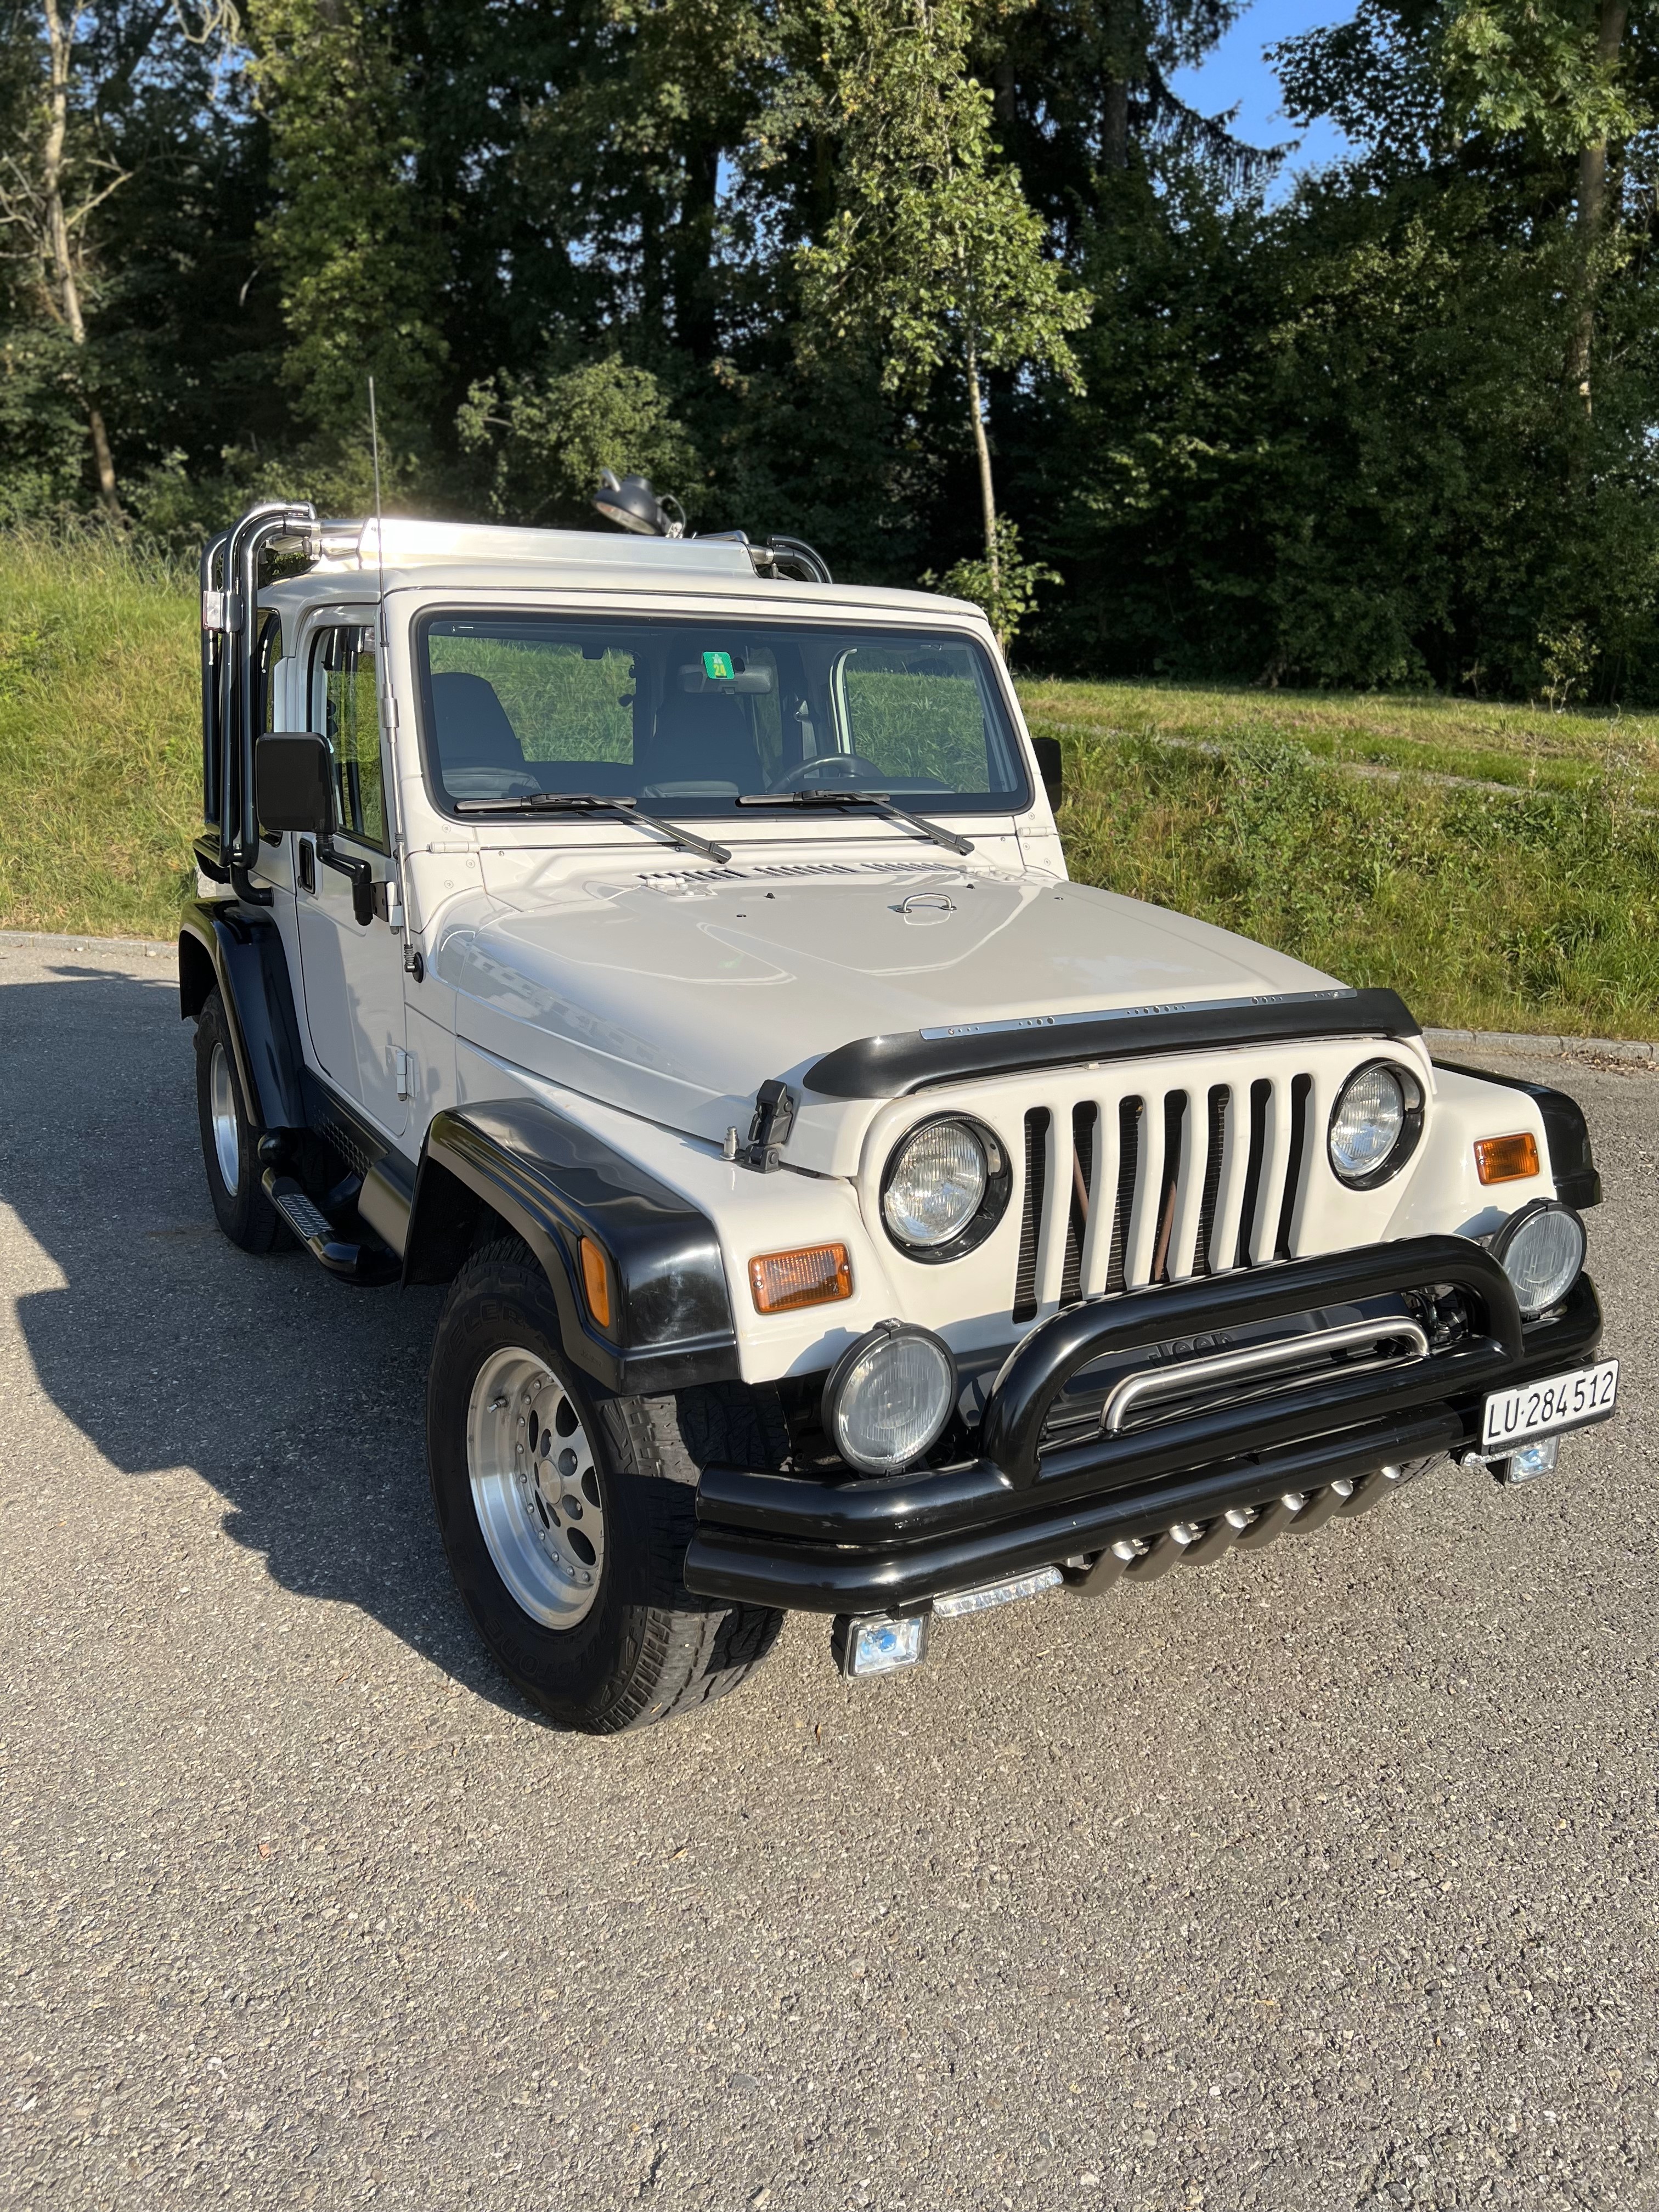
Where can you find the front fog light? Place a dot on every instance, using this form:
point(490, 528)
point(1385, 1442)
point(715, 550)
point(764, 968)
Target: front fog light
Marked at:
point(889, 1397)
point(1540, 1249)
point(880, 1645)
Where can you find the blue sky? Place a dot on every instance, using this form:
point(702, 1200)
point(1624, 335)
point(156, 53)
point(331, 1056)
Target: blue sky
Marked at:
point(1237, 73)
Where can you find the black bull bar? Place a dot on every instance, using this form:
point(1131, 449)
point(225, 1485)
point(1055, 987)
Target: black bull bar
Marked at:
point(878, 1544)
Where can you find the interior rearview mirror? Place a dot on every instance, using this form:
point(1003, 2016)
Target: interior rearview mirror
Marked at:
point(294, 782)
point(1048, 766)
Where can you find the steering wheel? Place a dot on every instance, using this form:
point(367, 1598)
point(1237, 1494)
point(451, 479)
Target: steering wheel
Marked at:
point(810, 773)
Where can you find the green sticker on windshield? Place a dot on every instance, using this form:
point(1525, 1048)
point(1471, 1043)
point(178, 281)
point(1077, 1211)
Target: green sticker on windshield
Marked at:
point(718, 665)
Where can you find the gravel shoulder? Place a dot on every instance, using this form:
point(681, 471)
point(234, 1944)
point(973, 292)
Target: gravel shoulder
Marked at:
point(1322, 1878)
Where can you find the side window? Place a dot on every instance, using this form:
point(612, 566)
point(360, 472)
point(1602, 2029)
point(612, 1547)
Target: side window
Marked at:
point(344, 709)
point(267, 651)
point(921, 716)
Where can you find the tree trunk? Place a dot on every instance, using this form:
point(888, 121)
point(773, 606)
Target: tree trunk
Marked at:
point(694, 324)
point(651, 269)
point(59, 37)
point(1592, 210)
point(981, 446)
point(1114, 124)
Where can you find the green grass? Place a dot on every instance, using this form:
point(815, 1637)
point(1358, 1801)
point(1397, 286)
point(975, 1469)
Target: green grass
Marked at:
point(1527, 748)
point(1535, 907)
point(99, 739)
point(1514, 910)
point(1530, 908)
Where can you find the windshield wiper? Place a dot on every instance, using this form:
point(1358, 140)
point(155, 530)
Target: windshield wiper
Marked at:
point(879, 799)
point(593, 802)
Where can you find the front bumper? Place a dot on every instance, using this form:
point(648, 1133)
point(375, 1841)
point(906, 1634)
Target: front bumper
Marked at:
point(858, 1546)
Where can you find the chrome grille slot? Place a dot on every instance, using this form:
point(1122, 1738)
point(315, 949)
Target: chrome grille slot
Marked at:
point(1125, 1189)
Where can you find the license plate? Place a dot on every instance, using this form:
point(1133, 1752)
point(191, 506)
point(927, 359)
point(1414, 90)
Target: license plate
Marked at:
point(1543, 1409)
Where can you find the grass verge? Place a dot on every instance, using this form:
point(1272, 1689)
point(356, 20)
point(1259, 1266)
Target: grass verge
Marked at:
point(99, 739)
point(1528, 910)
point(1611, 757)
point(1529, 907)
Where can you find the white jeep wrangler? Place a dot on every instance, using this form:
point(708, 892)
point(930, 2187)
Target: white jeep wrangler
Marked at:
point(670, 950)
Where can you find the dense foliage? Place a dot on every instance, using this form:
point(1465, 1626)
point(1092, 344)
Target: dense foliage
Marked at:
point(942, 285)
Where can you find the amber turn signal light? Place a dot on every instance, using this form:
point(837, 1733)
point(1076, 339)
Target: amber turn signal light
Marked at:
point(1506, 1159)
point(596, 1282)
point(817, 1275)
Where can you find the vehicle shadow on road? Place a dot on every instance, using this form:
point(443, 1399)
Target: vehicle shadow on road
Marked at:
point(297, 1398)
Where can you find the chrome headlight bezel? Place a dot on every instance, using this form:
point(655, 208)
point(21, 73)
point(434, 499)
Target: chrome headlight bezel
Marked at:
point(1411, 1125)
point(993, 1199)
point(1503, 1240)
point(875, 1341)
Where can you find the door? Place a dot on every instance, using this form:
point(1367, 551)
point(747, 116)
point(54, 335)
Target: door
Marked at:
point(354, 971)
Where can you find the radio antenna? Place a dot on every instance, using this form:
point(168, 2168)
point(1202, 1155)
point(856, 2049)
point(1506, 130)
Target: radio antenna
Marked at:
point(379, 519)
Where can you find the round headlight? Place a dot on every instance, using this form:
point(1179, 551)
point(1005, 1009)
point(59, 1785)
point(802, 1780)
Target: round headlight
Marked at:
point(890, 1396)
point(935, 1185)
point(1374, 1125)
point(1541, 1249)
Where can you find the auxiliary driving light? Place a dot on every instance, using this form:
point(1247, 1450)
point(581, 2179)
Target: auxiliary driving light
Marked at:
point(889, 1396)
point(1540, 1249)
point(878, 1645)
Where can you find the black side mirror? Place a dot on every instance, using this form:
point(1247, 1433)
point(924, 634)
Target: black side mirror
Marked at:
point(294, 782)
point(1049, 767)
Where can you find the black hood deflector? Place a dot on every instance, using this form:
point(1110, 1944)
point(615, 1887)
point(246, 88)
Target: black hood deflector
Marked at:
point(890, 1067)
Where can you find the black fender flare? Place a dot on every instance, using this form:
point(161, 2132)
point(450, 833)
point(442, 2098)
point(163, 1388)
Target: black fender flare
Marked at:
point(554, 1183)
point(221, 943)
point(1566, 1133)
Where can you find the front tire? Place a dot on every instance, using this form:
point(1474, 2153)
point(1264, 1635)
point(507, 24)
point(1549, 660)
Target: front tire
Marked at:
point(566, 1514)
point(229, 1139)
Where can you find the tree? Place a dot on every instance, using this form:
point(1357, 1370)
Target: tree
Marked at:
point(1555, 74)
point(1328, 441)
point(932, 252)
point(546, 438)
point(66, 165)
point(1546, 90)
point(359, 247)
point(1083, 101)
point(651, 99)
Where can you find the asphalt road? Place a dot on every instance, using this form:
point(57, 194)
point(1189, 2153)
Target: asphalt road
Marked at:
point(1321, 1878)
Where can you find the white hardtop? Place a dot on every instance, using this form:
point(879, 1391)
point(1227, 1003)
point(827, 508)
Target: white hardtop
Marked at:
point(404, 555)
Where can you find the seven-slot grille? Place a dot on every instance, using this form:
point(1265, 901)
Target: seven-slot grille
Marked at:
point(1150, 1184)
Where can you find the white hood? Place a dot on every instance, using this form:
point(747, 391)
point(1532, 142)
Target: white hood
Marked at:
point(676, 993)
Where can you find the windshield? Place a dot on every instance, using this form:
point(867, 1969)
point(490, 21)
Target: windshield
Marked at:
point(690, 716)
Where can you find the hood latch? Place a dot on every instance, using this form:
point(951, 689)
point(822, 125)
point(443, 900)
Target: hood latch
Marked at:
point(768, 1131)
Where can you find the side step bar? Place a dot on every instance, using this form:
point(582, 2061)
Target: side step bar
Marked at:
point(366, 1263)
